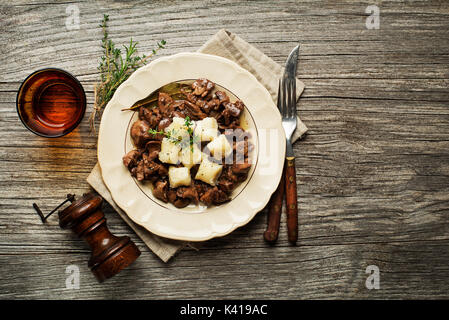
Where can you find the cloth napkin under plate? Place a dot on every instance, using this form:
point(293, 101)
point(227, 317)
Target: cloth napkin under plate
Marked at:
point(230, 46)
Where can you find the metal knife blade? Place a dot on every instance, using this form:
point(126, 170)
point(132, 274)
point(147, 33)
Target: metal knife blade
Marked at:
point(291, 64)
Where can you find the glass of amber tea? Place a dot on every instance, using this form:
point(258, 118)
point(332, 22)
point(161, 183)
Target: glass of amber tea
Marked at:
point(51, 102)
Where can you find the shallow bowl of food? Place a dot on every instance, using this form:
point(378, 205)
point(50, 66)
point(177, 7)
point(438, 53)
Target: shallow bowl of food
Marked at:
point(170, 153)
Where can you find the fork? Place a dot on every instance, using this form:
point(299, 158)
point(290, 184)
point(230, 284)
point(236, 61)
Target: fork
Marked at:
point(287, 108)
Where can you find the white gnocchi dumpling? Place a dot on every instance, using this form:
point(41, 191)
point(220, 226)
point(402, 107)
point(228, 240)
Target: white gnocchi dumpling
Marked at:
point(208, 171)
point(188, 157)
point(177, 123)
point(169, 152)
point(179, 176)
point(179, 129)
point(206, 129)
point(219, 147)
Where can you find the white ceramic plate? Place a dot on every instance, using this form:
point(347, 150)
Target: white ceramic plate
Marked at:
point(193, 223)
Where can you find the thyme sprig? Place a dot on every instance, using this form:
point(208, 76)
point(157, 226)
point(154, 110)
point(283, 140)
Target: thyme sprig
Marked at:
point(171, 135)
point(175, 137)
point(115, 67)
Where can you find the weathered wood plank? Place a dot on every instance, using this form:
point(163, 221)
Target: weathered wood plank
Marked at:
point(319, 272)
point(395, 49)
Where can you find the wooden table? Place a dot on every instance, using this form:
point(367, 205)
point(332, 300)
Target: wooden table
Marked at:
point(373, 171)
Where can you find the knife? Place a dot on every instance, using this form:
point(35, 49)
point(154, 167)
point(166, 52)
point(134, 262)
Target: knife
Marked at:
point(289, 122)
point(287, 184)
point(274, 212)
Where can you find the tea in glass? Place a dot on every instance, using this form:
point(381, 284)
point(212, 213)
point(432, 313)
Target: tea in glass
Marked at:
point(51, 102)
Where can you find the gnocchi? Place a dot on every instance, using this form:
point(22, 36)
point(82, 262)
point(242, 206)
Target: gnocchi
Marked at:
point(179, 176)
point(189, 158)
point(178, 129)
point(208, 171)
point(219, 147)
point(206, 129)
point(169, 152)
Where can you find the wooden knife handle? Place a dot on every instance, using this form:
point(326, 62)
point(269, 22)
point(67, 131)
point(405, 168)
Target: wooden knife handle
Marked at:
point(274, 212)
point(291, 200)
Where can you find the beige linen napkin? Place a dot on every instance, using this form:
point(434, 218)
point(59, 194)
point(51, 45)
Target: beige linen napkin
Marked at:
point(267, 72)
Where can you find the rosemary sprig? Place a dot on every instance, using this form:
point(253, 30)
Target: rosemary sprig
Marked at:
point(115, 68)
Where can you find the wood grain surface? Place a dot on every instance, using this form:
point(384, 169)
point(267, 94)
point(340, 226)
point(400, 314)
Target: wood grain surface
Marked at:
point(372, 172)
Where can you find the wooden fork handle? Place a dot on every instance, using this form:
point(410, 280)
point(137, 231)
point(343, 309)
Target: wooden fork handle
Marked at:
point(291, 200)
point(274, 212)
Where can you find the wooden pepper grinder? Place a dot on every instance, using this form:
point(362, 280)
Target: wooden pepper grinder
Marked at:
point(110, 254)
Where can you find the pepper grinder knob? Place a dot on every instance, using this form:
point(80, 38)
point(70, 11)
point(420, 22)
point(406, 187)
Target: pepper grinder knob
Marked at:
point(110, 254)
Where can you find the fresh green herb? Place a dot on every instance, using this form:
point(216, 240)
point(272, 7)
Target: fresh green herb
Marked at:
point(192, 138)
point(171, 135)
point(175, 137)
point(115, 68)
point(188, 123)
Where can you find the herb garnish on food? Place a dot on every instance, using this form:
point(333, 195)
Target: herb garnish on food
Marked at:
point(176, 138)
point(115, 68)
